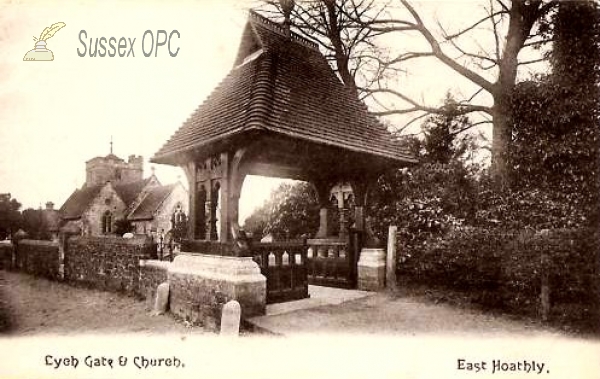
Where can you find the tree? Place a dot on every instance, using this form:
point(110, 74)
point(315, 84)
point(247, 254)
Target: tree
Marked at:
point(514, 27)
point(425, 201)
point(292, 211)
point(341, 29)
point(10, 217)
point(443, 141)
point(556, 123)
point(122, 226)
point(34, 225)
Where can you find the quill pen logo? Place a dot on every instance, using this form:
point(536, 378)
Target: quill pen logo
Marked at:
point(41, 53)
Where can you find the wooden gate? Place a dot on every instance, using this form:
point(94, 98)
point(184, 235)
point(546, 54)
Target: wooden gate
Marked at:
point(333, 262)
point(284, 266)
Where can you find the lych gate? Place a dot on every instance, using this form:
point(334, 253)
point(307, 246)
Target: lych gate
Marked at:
point(280, 112)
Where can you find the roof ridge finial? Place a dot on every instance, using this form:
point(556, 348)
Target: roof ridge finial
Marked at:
point(111, 144)
point(287, 7)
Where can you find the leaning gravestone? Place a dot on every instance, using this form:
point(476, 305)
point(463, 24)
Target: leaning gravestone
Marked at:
point(230, 319)
point(162, 298)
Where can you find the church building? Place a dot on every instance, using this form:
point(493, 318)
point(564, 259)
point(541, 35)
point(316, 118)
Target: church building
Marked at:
point(115, 190)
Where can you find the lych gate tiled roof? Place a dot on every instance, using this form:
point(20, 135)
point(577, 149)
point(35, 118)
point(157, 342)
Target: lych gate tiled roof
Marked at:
point(150, 203)
point(79, 201)
point(283, 84)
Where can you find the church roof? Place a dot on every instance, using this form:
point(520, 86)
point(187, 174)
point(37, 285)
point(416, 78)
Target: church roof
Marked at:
point(281, 83)
point(79, 201)
point(151, 202)
point(128, 192)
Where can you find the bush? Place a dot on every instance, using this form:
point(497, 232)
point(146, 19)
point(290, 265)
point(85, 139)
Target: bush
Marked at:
point(503, 268)
point(424, 202)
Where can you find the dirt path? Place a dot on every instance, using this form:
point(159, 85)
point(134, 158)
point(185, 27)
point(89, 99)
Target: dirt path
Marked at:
point(404, 314)
point(31, 305)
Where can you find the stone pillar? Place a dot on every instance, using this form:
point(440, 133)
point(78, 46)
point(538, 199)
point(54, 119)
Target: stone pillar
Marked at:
point(371, 269)
point(323, 229)
point(323, 187)
point(200, 285)
point(371, 264)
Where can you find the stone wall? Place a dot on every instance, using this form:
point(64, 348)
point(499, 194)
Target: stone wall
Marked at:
point(40, 258)
point(201, 284)
point(6, 253)
point(152, 273)
point(107, 263)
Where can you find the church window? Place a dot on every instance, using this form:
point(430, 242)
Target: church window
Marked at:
point(107, 222)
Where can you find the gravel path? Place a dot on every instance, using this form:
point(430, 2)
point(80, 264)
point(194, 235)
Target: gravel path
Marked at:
point(31, 305)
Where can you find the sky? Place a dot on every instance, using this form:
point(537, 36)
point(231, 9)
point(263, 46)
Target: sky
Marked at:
point(54, 116)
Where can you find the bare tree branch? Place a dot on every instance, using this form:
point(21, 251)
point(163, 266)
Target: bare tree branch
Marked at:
point(462, 109)
point(437, 51)
point(473, 26)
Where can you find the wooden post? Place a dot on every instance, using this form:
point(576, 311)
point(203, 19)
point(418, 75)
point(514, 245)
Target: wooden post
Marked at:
point(224, 220)
point(390, 269)
point(545, 288)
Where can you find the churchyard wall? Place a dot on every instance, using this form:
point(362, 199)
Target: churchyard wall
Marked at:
point(107, 263)
point(152, 274)
point(40, 258)
point(199, 286)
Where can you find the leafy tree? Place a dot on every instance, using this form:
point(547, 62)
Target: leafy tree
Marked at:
point(425, 201)
point(34, 225)
point(442, 139)
point(10, 217)
point(122, 226)
point(292, 211)
point(555, 124)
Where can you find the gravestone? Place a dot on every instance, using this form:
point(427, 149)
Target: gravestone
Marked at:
point(230, 319)
point(162, 298)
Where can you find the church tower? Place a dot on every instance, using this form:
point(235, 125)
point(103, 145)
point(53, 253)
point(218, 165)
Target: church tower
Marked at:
point(99, 170)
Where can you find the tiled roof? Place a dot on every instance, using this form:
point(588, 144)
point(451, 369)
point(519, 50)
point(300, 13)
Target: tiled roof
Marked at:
point(151, 202)
point(78, 202)
point(128, 192)
point(287, 88)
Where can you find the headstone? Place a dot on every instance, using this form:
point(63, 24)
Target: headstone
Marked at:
point(230, 319)
point(162, 298)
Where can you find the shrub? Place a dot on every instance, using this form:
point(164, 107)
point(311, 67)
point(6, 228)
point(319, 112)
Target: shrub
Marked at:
point(503, 268)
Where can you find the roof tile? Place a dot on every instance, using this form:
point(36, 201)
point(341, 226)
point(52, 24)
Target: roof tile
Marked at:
point(288, 89)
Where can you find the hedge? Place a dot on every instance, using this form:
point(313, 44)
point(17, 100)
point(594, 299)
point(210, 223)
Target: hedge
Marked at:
point(504, 268)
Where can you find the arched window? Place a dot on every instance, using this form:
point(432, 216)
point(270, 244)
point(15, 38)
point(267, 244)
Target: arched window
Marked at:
point(107, 222)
